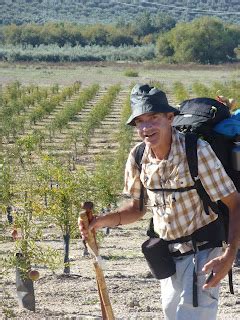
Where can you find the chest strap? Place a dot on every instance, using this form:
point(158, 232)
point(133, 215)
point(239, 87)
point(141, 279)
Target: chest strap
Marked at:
point(174, 190)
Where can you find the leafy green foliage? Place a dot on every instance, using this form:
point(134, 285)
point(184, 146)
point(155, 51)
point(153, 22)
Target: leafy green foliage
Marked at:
point(65, 190)
point(204, 40)
point(229, 90)
point(68, 113)
point(201, 90)
point(16, 100)
point(28, 246)
point(67, 53)
point(96, 34)
point(180, 91)
point(108, 177)
point(131, 73)
point(26, 227)
point(47, 105)
point(97, 114)
point(6, 181)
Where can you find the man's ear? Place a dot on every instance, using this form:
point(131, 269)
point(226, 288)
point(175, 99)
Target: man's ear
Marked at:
point(170, 116)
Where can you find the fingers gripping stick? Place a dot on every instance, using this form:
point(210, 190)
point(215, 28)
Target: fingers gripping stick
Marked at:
point(86, 216)
point(209, 277)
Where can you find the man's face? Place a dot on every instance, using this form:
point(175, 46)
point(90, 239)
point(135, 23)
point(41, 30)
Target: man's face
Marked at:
point(154, 128)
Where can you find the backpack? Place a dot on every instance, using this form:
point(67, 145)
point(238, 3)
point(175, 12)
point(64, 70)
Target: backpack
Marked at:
point(199, 116)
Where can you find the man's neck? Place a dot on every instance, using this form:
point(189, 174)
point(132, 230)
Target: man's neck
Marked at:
point(162, 154)
point(161, 151)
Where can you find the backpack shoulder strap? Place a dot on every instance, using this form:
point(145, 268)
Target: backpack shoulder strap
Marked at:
point(139, 154)
point(138, 158)
point(191, 153)
point(192, 159)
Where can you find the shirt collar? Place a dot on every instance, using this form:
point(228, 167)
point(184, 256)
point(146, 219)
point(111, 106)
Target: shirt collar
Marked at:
point(176, 152)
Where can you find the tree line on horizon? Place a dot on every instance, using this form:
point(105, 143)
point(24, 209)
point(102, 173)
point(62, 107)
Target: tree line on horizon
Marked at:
point(205, 40)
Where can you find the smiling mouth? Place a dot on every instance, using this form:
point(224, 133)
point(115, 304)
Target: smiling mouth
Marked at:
point(149, 135)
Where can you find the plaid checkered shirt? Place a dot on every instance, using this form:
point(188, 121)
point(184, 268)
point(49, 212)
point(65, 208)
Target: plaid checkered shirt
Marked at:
point(177, 214)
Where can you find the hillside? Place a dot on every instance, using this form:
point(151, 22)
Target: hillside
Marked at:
point(92, 11)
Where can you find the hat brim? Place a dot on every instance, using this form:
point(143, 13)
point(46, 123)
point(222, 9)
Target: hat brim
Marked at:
point(133, 116)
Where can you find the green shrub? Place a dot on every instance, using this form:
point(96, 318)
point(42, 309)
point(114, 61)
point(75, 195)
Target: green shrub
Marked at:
point(131, 73)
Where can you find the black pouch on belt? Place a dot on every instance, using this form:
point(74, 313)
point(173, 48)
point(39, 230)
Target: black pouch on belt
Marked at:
point(159, 258)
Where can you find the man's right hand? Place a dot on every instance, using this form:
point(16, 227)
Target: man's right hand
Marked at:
point(129, 214)
point(94, 224)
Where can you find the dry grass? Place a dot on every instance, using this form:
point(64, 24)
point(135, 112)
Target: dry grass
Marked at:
point(110, 73)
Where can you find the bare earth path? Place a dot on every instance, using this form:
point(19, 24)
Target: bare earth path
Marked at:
point(134, 294)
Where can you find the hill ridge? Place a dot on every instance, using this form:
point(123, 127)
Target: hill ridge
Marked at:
point(95, 11)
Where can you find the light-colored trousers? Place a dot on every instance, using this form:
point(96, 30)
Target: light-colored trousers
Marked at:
point(177, 293)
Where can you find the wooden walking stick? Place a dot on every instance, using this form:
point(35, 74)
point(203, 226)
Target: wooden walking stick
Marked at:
point(86, 216)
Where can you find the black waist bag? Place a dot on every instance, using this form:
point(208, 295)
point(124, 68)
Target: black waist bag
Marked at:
point(159, 258)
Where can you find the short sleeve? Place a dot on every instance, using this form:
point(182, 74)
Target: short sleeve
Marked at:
point(212, 173)
point(132, 185)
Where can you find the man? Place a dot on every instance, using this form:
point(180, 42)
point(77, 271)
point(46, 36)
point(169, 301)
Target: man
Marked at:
point(177, 214)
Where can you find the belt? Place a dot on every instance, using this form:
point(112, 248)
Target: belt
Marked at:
point(211, 244)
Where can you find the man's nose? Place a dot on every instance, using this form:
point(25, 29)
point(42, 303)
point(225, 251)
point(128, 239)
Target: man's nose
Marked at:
point(145, 125)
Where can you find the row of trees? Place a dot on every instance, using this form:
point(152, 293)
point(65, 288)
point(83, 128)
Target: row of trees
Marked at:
point(204, 40)
point(47, 190)
point(23, 106)
point(97, 34)
point(67, 53)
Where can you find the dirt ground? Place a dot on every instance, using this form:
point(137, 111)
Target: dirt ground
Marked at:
point(134, 294)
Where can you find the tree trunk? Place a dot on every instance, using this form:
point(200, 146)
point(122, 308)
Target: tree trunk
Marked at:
point(25, 289)
point(66, 239)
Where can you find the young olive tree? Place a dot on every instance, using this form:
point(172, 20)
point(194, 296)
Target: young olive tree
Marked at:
point(27, 229)
point(65, 191)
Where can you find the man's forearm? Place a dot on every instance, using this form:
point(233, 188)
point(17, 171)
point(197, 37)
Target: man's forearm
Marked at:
point(124, 215)
point(233, 203)
point(234, 231)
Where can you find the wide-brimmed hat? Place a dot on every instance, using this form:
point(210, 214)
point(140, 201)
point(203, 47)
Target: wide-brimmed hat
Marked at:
point(145, 99)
